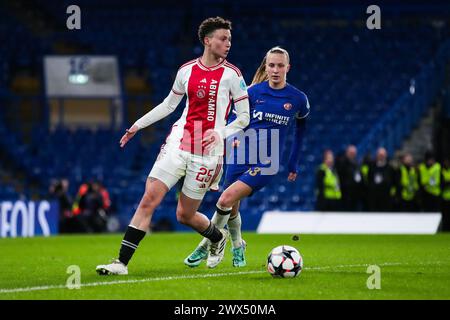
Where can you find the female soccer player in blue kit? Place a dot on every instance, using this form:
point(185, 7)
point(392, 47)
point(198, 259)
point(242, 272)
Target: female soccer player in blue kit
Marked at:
point(274, 105)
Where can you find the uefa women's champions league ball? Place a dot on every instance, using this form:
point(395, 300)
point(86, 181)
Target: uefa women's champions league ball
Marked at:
point(284, 262)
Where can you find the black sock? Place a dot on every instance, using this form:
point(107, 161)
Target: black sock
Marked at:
point(130, 243)
point(212, 233)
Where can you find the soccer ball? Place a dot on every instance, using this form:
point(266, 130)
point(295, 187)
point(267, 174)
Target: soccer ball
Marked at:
point(284, 262)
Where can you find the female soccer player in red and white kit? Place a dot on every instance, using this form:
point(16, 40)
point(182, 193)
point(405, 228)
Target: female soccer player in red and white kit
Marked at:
point(194, 147)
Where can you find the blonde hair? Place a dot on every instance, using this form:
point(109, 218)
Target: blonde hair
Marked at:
point(261, 74)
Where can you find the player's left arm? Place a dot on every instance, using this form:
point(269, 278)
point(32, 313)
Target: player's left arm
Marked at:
point(300, 126)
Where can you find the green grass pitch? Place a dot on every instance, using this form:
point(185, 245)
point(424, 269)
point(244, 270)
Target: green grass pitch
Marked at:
point(335, 267)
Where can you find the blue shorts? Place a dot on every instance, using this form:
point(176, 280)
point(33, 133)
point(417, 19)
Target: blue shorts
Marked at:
point(248, 174)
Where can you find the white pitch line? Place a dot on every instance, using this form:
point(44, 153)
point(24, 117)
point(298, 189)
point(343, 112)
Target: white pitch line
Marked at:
point(386, 264)
point(106, 283)
point(198, 276)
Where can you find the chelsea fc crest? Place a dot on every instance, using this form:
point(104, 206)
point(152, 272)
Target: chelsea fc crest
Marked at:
point(287, 106)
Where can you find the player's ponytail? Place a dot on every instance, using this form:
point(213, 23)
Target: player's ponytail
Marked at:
point(260, 74)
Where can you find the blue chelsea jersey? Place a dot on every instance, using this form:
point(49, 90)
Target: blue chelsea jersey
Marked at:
point(273, 109)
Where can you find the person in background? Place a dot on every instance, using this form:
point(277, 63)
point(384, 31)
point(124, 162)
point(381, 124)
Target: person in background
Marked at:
point(91, 207)
point(380, 180)
point(59, 190)
point(407, 184)
point(106, 200)
point(351, 180)
point(445, 185)
point(365, 165)
point(328, 188)
point(430, 183)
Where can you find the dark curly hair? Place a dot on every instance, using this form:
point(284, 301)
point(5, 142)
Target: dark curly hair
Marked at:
point(210, 25)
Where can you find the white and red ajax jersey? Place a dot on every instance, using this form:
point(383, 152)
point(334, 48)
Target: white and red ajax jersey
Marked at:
point(210, 91)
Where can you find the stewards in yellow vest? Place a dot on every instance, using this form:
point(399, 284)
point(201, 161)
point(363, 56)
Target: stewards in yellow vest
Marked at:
point(407, 185)
point(430, 184)
point(328, 189)
point(446, 195)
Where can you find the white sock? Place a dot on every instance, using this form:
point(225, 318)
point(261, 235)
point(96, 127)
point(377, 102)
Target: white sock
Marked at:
point(234, 225)
point(220, 221)
point(221, 216)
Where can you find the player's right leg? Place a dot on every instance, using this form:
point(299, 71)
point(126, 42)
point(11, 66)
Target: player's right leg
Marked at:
point(169, 167)
point(155, 190)
point(239, 245)
point(187, 214)
point(203, 172)
point(201, 252)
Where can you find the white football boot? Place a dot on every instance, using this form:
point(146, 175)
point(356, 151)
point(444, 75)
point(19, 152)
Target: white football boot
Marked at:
point(115, 267)
point(217, 250)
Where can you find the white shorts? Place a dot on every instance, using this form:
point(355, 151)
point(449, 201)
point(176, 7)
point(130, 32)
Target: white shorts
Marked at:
point(201, 173)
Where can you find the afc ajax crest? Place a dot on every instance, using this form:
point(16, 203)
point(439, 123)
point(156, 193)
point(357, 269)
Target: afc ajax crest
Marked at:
point(287, 106)
point(201, 93)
